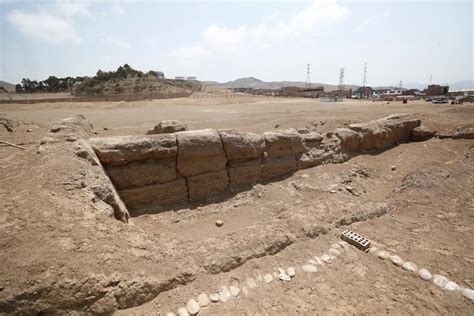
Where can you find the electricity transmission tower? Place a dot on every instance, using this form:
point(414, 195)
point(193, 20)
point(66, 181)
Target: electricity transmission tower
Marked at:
point(431, 80)
point(364, 82)
point(400, 84)
point(307, 84)
point(341, 79)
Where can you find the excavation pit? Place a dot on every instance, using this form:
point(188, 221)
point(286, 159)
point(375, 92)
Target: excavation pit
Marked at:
point(155, 173)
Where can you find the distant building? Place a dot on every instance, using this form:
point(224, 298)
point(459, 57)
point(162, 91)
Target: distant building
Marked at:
point(415, 92)
point(315, 92)
point(435, 89)
point(378, 93)
point(191, 78)
point(362, 93)
point(160, 75)
point(394, 92)
point(340, 93)
point(180, 78)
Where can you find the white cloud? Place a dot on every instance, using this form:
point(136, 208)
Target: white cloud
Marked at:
point(371, 21)
point(43, 26)
point(187, 53)
point(117, 42)
point(118, 10)
point(70, 8)
point(218, 39)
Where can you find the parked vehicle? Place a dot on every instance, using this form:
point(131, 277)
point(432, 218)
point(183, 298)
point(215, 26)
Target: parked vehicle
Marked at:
point(440, 100)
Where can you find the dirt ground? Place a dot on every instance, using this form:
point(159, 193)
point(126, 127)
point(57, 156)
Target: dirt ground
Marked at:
point(414, 200)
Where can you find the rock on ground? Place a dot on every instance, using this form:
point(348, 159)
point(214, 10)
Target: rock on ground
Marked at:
point(193, 307)
point(168, 126)
point(425, 274)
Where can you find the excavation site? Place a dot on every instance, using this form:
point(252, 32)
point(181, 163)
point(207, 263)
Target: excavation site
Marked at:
point(236, 206)
point(257, 158)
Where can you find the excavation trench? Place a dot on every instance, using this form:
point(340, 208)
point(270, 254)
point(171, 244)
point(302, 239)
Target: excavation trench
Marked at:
point(156, 173)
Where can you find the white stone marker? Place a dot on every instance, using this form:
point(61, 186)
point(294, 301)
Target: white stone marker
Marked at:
point(440, 280)
point(396, 260)
point(373, 251)
point(318, 261)
point(382, 254)
point(309, 268)
point(193, 307)
point(409, 266)
point(268, 278)
point(291, 272)
point(234, 291)
point(214, 297)
point(468, 293)
point(452, 286)
point(425, 274)
point(326, 259)
point(224, 294)
point(183, 312)
point(334, 252)
point(251, 283)
point(203, 300)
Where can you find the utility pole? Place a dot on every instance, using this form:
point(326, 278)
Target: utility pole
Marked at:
point(341, 79)
point(364, 82)
point(307, 84)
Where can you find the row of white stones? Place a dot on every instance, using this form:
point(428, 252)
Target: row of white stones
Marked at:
point(224, 294)
point(439, 280)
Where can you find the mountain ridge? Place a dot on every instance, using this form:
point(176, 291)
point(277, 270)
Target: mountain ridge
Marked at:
point(252, 82)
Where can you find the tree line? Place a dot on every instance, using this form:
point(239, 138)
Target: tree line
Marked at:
point(52, 84)
point(67, 84)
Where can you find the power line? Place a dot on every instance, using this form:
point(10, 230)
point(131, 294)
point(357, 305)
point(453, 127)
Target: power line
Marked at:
point(307, 84)
point(341, 78)
point(364, 82)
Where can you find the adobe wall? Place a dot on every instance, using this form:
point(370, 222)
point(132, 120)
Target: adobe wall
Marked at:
point(155, 172)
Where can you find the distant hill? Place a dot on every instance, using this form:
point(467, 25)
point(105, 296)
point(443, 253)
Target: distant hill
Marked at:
point(7, 86)
point(126, 80)
point(252, 82)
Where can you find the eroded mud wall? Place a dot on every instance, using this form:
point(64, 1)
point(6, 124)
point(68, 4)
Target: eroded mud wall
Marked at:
point(156, 172)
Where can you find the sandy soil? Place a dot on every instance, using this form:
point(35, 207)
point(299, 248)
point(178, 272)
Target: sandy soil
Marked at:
point(414, 200)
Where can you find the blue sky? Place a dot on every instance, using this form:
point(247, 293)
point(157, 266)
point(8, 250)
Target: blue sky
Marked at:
point(224, 40)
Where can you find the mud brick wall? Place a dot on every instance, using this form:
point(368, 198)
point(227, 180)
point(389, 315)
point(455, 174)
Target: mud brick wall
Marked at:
point(156, 172)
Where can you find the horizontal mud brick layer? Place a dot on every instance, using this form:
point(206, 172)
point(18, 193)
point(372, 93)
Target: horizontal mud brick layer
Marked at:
point(155, 196)
point(384, 133)
point(283, 144)
point(245, 172)
point(278, 167)
point(142, 173)
point(240, 146)
point(121, 150)
point(207, 184)
point(200, 151)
